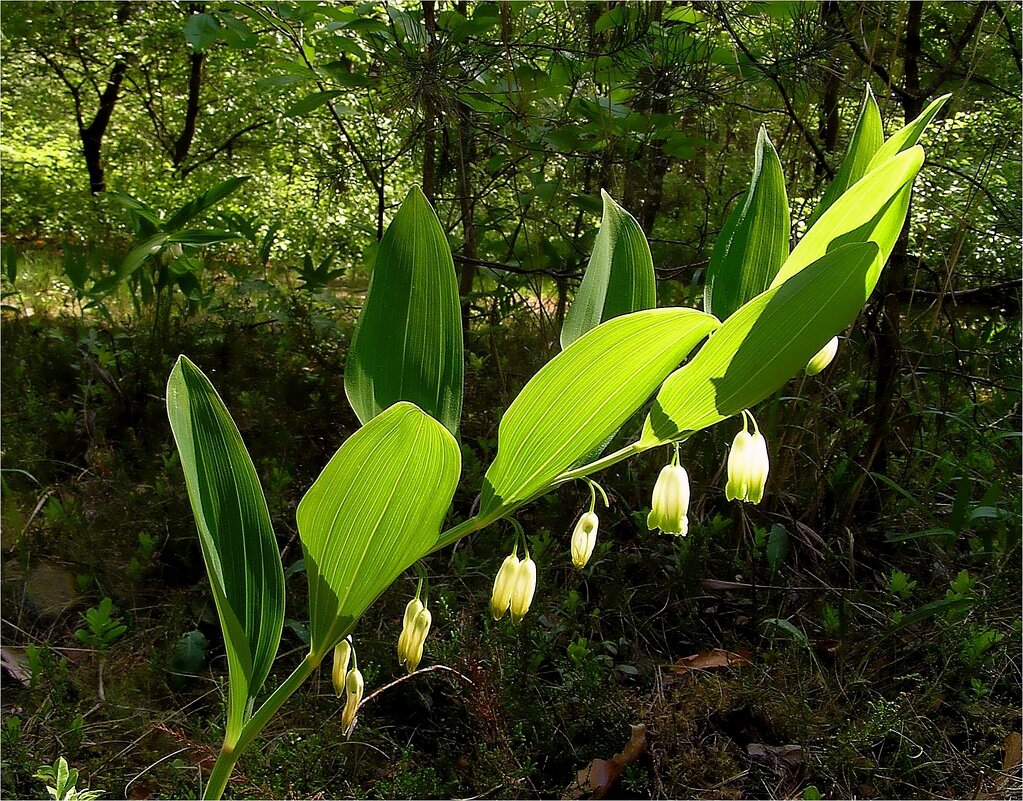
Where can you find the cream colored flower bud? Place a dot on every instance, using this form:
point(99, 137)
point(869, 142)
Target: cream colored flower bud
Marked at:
point(748, 465)
point(670, 503)
point(525, 586)
point(504, 584)
point(174, 251)
point(354, 686)
point(823, 357)
point(584, 538)
point(412, 610)
point(342, 655)
point(417, 637)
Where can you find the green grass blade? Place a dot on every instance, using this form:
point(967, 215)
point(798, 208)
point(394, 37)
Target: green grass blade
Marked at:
point(407, 345)
point(619, 277)
point(871, 210)
point(754, 240)
point(583, 395)
point(762, 345)
point(376, 508)
point(238, 545)
point(867, 138)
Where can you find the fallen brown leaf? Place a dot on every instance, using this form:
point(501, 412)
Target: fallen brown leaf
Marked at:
point(711, 659)
point(596, 778)
point(1013, 756)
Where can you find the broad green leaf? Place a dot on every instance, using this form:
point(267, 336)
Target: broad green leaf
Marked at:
point(237, 540)
point(754, 240)
point(867, 138)
point(376, 508)
point(619, 277)
point(907, 137)
point(206, 200)
point(137, 255)
point(761, 346)
point(201, 30)
point(871, 210)
point(583, 395)
point(408, 341)
point(311, 103)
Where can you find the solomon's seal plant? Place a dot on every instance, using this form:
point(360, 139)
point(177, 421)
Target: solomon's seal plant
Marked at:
point(748, 464)
point(379, 504)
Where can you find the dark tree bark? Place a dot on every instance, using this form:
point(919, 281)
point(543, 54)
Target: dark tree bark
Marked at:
point(184, 142)
point(93, 133)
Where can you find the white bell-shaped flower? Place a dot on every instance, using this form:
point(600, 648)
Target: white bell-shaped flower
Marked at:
point(823, 357)
point(748, 465)
point(670, 504)
point(584, 538)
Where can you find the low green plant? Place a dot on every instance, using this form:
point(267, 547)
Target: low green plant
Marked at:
point(102, 627)
point(61, 781)
point(380, 503)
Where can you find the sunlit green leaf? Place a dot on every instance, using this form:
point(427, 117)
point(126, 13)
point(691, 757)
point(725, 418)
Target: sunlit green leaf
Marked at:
point(871, 210)
point(376, 508)
point(238, 545)
point(205, 201)
point(905, 138)
point(764, 344)
point(754, 241)
point(867, 138)
point(583, 395)
point(408, 341)
point(619, 277)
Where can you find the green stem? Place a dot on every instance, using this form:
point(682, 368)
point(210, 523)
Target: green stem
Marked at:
point(452, 535)
point(229, 754)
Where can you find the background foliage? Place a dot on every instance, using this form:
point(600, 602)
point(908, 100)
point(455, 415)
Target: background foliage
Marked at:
point(873, 598)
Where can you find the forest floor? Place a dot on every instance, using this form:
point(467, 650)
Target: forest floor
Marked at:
point(806, 648)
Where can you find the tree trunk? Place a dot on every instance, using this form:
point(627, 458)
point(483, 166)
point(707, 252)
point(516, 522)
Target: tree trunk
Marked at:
point(92, 135)
point(184, 142)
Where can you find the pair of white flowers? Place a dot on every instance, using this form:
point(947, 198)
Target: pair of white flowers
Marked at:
point(748, 466)
point(347, 682)
point(514, 587)
point(414, 628)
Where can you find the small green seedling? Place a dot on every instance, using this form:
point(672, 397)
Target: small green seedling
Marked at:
point(60, 782)
point(102, 627)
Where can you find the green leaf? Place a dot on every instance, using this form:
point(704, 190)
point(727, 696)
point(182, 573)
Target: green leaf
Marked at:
point(777, 547)
point(754, 241)
point(201, 30)
point(761, 346)
point(199, 237)
point(867, 138)
point(311, 103)
point(237, 540)
point(206, 200)
point(583, 395)
point(619, 278)
point(376, 508)
point(907, 137)
point(871, 210)
point(137, 255)
point(408, 341)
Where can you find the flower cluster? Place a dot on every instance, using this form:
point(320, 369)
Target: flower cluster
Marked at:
point(347, 681)
point(415, 626)
point(514, 586)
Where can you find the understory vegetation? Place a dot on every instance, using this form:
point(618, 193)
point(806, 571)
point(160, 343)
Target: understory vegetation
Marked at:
point(856, 634)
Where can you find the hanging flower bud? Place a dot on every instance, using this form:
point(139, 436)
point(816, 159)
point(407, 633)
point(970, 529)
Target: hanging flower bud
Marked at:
point(823, 357)
point(504, 584)
point(525, 586)
point(748, 465)
point(412, 610)
point(670, 503)
point(417, 636)
point(354, 686)
point(583, 539)
point(342, 655)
